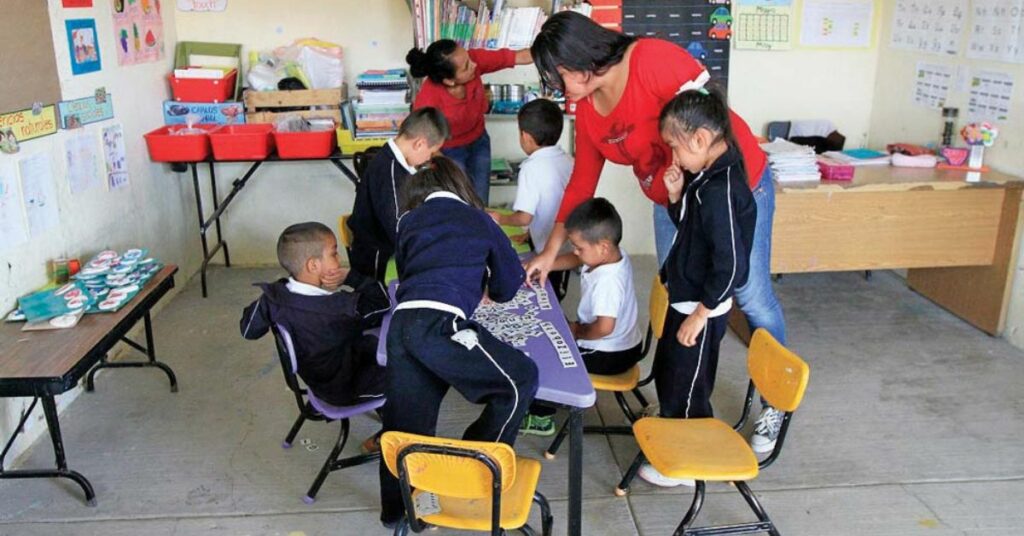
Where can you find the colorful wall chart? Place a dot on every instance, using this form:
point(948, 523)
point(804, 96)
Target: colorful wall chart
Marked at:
point(764, 24)
point(931, 84)
point(703, 28)
point(931, 26)
point(138, 31)
point(79, 112)
point(990, 97)
point(837, 23)
point(998, 30)
point(83, 47)
point(32, 123)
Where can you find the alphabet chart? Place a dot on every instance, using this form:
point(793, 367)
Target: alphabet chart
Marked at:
point(931, 26)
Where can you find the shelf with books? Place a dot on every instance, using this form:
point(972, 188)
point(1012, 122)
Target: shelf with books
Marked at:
point(492, 25)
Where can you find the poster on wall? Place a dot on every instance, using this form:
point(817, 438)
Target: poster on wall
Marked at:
point(38, 193)
point(931, 84)
point(997, 32)
point(115, 157)
point(31, 123)
point(83, 47)
point(12, 217)
point(76, 3)
point(78, 112)
point(837, 23)
point(81, 157)
point(990, 97)
point(764, 24)
point(929, 26)
point(138, 31)
point(202, 5)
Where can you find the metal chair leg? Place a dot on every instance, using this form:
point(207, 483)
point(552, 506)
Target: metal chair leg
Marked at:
point(402, 527)
point(640, 398)
point(287, 444)
point(623, 487)
point(621, 399)
point(310, 497)
point(557, 442)
point(755, 505)
point(695, 506)
point(547, 521)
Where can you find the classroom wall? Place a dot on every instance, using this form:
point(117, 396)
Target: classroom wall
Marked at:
point(895, 118)
point(154, 211)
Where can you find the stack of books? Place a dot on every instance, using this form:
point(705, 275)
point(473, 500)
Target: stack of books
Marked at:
point(383, 103)
point(791, 162)
point(487, 27)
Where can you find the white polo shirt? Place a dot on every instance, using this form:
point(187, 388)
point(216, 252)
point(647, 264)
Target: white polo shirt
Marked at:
point(542, 180)
point(608, 291)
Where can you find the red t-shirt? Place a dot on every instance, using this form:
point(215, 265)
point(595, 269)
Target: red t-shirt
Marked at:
point(465, 116)
point(629, 135)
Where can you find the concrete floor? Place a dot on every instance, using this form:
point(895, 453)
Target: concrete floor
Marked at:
point(913, 424)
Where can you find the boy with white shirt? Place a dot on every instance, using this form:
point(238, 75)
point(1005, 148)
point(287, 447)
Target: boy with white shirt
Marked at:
point(542, 178)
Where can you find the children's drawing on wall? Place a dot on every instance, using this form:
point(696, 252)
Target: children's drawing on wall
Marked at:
point(202, 5)
point(38, 193)
point(82, 46)
point(12, 218)
point(114, 153)
point(138, 31)
point(8, 140)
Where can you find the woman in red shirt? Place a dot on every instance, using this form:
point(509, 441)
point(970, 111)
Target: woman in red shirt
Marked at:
point(621, 84)
point(453, 85)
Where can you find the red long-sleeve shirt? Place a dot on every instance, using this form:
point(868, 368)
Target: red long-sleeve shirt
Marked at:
point(465, 116)
point(629, 134)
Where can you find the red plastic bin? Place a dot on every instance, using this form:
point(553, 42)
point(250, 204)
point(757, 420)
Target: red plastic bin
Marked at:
point(242, 142)
point(315, 144)
point(203, 89)
point(164, 146)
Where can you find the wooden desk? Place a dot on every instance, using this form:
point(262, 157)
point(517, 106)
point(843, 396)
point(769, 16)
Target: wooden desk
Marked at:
point(959, 239)
point(43, 364)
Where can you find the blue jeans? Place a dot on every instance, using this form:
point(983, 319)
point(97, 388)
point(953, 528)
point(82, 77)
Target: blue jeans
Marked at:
point(475, 159)
point(755, 298)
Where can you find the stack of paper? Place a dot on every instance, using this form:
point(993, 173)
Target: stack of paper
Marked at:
point(790, 162)
point(860, 157)
point(383, 103)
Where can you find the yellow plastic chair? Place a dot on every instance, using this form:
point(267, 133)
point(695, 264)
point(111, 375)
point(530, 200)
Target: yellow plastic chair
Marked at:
point(710, 450)
point(345, 234)
point(450, 480)
point(628, 381)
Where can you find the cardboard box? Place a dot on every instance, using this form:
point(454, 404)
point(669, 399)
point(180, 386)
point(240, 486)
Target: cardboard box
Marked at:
point(222, 113)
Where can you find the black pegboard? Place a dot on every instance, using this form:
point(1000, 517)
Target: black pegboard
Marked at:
point(687, 23)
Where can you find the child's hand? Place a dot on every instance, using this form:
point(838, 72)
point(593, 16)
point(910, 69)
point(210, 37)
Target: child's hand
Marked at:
point(519, 238)
point(674, 182)
point(494, 216)
point(691, 328)
point(332, 280)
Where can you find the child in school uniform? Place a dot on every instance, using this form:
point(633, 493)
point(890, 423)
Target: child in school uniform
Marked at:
point(375, 213)
point(715, 211)
point(542, 179)
point(336, 361)
point(449, 253)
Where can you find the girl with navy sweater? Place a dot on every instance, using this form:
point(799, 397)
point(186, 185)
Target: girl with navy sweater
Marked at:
point(715, 216)
point(449, 253)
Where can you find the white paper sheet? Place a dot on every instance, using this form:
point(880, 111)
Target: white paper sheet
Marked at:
point(997, 30)
point(764, 24)
point(930, 26)
point(114, 153)
point(990, 97)
point(837, 24)
point(80, 157)
point(931, 84)
point(39, 193)
point(12, 216)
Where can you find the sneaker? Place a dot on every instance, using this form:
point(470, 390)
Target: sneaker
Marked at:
point(766, 430)
point(537, 425)
point(652, 476)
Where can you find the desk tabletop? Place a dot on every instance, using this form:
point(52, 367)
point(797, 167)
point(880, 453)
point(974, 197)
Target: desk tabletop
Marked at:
point(560, 384)
point(895, 179)
point(48, 356)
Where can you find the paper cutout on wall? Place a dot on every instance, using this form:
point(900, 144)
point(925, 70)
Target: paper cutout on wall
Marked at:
point(764, 24)
point(931, 26)
point(990, 97)
point(80, 112)
point(38, 193)
point(80, 156)
point(28, 125)
point(83, 47)
point(997, 30)
point(115, 157)
point(837, 24)
point(12, 217)
point(202, 5)
point(138, 31)
point(931, 84)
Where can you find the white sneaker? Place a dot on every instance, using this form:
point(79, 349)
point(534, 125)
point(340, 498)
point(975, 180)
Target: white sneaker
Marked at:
point(652, 476)
point(766, 430)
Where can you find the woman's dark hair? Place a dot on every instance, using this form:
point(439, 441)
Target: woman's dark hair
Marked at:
point(576, 43)
point(440, 174)
point(435, 63)
point(694, 109)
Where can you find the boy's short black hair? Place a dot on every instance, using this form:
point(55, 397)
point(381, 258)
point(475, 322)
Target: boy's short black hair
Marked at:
point(541, 119)
point(596, 219)
point(299, 243)
point(427, 123)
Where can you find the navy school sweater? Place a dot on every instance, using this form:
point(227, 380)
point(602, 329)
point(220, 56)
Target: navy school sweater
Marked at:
point(716, 216)
point(324, 330)
point(374, 220)
point(449, 251)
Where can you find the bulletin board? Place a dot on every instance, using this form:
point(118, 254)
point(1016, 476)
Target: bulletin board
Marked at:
point(28, 67)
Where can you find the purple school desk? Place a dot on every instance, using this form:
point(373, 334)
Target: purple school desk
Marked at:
point(569, 387)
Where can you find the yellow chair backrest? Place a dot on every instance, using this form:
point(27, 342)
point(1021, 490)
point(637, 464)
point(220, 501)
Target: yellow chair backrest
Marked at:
point(447, 475)
point(659, 307)
point(344, 233)
point(779, 374)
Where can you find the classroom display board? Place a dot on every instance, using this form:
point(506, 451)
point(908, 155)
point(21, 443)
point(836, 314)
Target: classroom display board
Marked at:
point(28, 66)
point(932, 26)
point(998, 31)
point(702, 27)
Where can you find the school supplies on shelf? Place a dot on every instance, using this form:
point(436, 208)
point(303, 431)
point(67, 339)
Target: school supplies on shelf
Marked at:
point(487, 27)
